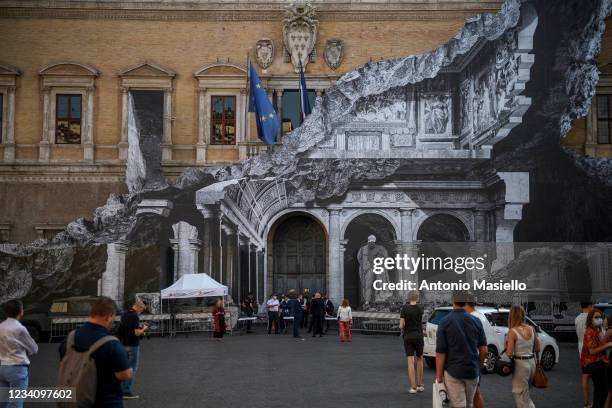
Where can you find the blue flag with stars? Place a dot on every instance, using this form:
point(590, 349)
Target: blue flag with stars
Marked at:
point(267, 121)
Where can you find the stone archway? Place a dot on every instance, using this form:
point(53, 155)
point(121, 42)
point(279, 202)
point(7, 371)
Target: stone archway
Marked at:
point(443, 228)
point(297, 254)
point(356, 236)
point(442, 235)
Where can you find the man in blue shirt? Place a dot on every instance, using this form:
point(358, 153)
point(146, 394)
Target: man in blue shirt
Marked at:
point(111, 358)
point(461, 347)
point(296, 311)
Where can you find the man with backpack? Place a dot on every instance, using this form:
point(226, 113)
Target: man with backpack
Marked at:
point(129, 333)
point(93, 361)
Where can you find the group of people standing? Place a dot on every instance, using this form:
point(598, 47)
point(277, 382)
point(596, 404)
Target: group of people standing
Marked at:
point(595, 347)
point(302, 311)
point(461, 349)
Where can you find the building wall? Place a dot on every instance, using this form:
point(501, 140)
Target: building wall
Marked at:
point(180, 38)
point(578, 137)
point(112, 46)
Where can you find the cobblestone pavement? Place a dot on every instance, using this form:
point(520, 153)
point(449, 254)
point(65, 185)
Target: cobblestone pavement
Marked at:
point(258, 370)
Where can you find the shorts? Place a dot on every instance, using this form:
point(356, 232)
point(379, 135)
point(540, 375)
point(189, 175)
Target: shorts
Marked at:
point(460, 391)
point(413, 346)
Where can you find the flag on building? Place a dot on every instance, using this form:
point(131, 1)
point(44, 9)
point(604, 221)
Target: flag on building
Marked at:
point(304, 102)
point(267, 121)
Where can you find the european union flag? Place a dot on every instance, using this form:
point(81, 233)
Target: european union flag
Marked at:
point(267, 121)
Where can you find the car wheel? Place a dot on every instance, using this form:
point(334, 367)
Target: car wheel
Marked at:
point(490, 359)
point(34, 332)
point(430, 362)
point(547, 359)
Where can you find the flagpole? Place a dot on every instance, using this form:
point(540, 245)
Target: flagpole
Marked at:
point(300, 107)
point(248, 98)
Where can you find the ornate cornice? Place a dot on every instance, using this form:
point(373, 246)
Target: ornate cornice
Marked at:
point(273, 11)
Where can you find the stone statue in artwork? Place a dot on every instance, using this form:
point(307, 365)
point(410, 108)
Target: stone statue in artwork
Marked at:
point(365, 258)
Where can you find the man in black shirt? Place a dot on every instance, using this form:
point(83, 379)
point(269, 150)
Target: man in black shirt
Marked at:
point(111, 359)
point(329, 311)
point(411, 317)
point(247, 308)
point(130, 331)
point(317, 311)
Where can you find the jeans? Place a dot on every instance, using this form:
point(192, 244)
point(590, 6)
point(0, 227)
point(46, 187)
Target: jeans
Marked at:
point(13, 377)
point(133, 353)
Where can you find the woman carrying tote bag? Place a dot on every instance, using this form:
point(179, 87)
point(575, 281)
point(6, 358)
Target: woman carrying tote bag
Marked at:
point(521, 344)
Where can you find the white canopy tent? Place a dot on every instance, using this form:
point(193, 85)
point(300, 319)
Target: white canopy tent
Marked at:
point(194, 285)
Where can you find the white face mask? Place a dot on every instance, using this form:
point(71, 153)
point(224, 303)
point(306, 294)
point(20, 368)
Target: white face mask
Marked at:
point(597, 322)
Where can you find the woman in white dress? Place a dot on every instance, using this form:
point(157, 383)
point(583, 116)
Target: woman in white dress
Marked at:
point(522, 344)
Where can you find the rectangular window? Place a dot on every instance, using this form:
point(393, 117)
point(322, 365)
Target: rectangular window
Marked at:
point(223, 120)
point(292, 108)
point(604, 119)
point(68, 119)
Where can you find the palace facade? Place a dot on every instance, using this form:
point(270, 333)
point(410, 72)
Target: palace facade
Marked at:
point(66, 71)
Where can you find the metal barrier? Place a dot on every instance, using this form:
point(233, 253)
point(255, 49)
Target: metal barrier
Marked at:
point(158, 324)
point(61, 326)
point(201, 322)
point(375, 322)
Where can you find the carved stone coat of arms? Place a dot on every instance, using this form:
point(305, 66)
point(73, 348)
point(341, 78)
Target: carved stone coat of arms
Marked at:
point(300, 33)
point(264, 52)
point(333, 53)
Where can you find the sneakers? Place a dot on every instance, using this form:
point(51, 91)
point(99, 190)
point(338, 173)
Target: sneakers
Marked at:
point(420, 388)
point(413, 391)
point(129, 396)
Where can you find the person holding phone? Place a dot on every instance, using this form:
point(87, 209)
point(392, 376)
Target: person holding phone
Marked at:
point(130, 331)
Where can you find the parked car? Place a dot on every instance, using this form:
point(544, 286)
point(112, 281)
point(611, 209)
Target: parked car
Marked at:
point(606, 308)
point(495, 324)
point(39, 324)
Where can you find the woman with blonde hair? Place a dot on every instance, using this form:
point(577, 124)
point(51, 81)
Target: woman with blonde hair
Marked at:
point(522, 344)
point(219, 318)
point(345, 319)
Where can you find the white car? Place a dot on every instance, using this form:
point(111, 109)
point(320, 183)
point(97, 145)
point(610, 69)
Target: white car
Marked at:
point(495, 324)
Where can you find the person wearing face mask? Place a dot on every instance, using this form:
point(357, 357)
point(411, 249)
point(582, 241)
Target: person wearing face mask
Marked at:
point(593, 359)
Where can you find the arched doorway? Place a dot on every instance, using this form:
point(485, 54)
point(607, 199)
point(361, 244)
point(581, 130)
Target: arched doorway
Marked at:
point(443, 228)
point(356, 236)
point(297, 255)
point(443, 235)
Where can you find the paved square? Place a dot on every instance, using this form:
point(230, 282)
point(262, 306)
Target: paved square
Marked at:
point(277, 371)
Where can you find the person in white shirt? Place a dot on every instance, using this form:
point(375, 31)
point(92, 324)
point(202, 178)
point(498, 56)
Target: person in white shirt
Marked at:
point(345, 319)
point(272, 305)
point(15, 346)
point(580, 324)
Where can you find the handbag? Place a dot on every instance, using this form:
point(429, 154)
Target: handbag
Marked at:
point(502, 367)
point(539, 379)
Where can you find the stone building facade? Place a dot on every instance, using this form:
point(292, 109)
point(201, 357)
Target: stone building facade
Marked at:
point(591, 135)
point(171, 77)
point(189, 52)
point(268, 235)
